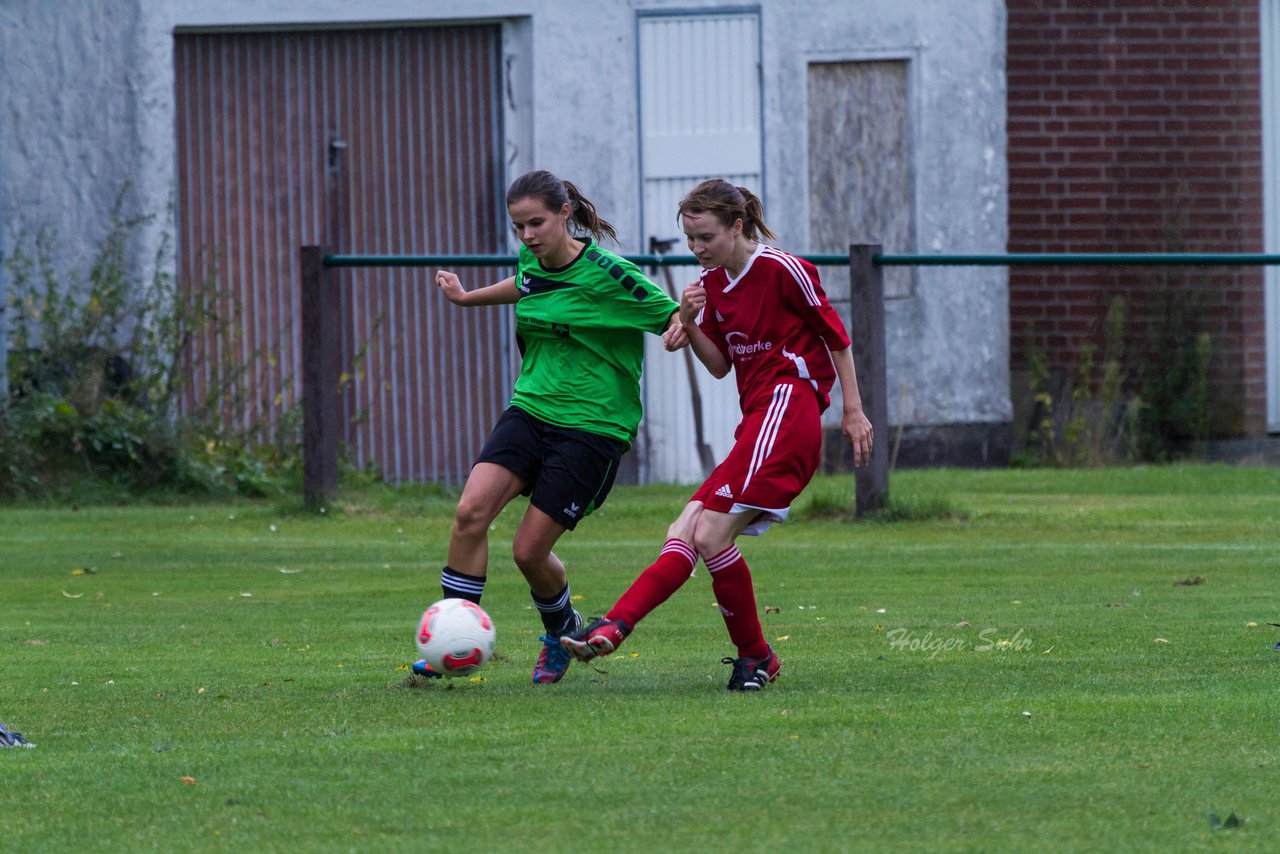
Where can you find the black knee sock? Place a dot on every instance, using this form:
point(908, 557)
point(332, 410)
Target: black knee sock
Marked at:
point(556, 612)
point(458, 586)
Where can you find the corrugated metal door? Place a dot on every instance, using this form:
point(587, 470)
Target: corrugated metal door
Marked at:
point(419, 112)
point(687, 136)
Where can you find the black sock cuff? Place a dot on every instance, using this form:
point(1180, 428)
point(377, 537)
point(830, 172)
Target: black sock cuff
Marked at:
point(456, 585)
point(559, 600)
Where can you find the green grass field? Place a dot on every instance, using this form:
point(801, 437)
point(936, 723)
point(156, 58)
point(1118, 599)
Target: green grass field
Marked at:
point(1061, 660)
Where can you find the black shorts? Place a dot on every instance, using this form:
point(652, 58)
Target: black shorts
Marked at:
point(568, 473)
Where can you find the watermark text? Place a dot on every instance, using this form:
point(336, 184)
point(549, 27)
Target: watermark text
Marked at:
point(990, 639)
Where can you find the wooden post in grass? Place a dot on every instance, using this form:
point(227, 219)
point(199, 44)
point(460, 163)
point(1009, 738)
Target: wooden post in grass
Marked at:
point(866, 328)
point(321, 360)
point(320, 375)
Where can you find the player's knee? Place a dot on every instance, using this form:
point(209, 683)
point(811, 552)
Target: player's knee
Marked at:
point(470, 518)
point(714, 533)
point(528, 558)
point(707, 542)
point(686, 524)
point(678, 530)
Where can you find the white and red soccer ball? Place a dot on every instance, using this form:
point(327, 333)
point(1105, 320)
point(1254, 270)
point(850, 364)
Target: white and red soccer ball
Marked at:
point(455, 637)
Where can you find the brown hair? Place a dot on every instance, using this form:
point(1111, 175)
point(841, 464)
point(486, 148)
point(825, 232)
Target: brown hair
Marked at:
point(555, 193)
point(727, 203)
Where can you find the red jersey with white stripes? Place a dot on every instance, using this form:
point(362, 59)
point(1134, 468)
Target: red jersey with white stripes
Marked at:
point(773, 322)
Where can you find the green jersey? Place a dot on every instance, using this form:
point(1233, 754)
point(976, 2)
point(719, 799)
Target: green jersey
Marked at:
point(581, 330)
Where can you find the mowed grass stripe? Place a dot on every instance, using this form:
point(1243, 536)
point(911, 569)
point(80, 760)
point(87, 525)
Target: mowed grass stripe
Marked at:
point(1016, 666)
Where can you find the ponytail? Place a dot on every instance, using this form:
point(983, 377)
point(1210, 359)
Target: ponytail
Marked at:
point(555, 193)
point(585, 216)
point(728, 203)
point(753, 217)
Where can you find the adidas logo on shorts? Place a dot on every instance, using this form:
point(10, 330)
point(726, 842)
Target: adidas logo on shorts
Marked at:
point(724, 491)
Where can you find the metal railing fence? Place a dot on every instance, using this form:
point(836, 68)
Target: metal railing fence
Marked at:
point(320, 324)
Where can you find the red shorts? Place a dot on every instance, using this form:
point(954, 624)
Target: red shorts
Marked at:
point(777, 448)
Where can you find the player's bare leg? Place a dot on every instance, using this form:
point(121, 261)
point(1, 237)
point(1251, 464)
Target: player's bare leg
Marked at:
point(489, 488)
point(549, 586)
point(536, 537)
point(714, 531)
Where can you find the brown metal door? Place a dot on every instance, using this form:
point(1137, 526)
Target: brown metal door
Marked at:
point(419, 113)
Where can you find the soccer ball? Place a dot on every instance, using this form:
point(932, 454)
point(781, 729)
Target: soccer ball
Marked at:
point(455, 637)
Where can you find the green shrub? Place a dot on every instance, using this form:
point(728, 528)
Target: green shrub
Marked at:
point(1175, 380)
point(1146, 406)
point(1085, 419)
point(97, 368)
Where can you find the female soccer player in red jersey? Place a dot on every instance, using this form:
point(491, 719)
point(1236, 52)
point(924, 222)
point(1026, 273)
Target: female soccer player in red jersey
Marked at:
point(581, 314)
point(762, 313)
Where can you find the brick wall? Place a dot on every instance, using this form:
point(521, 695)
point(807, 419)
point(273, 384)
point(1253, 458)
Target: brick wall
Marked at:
point(1136, 127)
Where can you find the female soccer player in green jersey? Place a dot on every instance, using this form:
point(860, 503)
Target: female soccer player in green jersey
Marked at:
point(581, 315)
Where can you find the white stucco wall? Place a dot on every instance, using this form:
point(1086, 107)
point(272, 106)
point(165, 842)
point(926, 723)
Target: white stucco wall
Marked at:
point(87, 105)
point(948, 355)
point(69, 118)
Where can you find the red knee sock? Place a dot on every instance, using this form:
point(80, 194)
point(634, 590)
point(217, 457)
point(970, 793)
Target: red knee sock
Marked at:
point(656, 584)
point(731, 583)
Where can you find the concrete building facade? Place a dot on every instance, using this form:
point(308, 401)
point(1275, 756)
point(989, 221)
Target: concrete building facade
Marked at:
point(89, 108)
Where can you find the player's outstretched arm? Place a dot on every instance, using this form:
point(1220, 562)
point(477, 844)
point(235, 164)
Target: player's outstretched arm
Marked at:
point(500, 293)
point(853, 422)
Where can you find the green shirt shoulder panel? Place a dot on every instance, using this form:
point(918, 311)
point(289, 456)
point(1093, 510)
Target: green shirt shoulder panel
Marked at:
point(581, 333)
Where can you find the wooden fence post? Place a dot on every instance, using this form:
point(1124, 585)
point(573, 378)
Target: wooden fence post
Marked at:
point(320, 376)
point(866, 309)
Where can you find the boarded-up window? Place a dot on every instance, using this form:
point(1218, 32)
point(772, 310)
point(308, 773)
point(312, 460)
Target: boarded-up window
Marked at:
point(860, 175)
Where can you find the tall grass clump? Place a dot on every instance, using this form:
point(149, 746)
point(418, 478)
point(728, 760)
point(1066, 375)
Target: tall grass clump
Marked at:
point(1121, 405)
